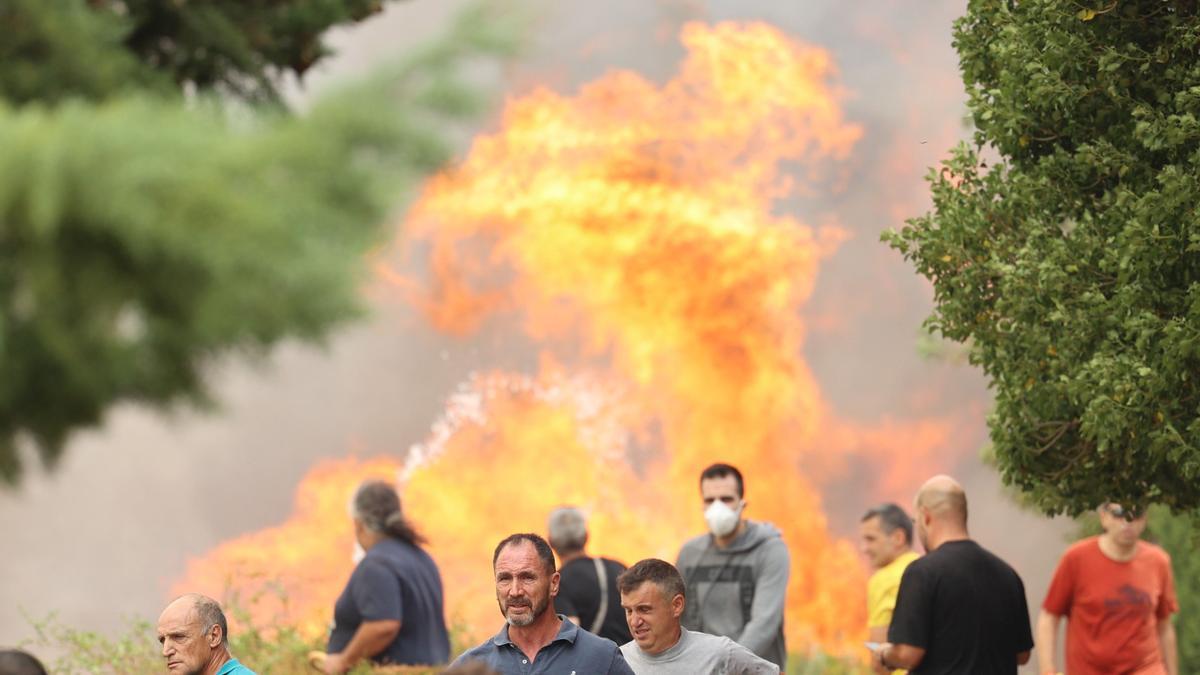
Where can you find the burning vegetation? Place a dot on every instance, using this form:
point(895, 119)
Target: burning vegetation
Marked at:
point(634, 230)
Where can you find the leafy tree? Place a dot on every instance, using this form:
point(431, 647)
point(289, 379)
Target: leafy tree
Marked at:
point(144, 233)
point(1064, 245)
point(95, 48)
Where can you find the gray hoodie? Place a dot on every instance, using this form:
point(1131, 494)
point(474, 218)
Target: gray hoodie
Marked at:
point(739, 591)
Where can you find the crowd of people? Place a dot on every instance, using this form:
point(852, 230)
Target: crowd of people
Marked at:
point(957, 609)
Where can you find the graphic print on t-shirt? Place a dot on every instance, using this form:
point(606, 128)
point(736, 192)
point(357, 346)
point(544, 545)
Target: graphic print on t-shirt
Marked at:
point(1129, 602)
point(742, 575)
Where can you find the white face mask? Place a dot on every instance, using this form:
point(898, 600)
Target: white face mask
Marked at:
point(722, 520)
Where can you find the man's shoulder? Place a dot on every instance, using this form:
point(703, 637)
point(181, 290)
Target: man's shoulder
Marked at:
point(591, 641)
point(484, 651)
point(1154, 552)
point(693, 548)
point(891, 572)
point(1083, 548)
point(234, 667)
point(708, 642)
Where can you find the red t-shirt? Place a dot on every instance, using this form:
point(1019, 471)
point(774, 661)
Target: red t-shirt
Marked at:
point(1112, 608)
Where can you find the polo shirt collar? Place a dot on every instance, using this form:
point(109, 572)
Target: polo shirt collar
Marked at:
point(567, 631)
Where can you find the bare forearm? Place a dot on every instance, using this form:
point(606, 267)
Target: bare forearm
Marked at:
point(903, 656)
point(1166, 641)
point(877, 634)
point(1047, 641)
point(371, 638)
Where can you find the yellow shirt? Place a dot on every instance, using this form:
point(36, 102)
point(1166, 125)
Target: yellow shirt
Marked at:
point(882, 588)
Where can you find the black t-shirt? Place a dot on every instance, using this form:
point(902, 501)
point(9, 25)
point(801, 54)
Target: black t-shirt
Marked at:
point(396, 581)
point(579, 595)
point(966, 608)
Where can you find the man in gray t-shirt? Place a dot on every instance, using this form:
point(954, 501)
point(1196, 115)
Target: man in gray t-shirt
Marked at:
point(653, 597)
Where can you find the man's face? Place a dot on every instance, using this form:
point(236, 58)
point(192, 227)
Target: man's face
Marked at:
point(880, 548)
point(653, 619)
point(1120, 525)
point(185, 645)
point(723, 489)
point(920, 524)
point(524, 587)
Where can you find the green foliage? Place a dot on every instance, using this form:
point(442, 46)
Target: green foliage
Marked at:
point(141, 237)
point(1063, 245)
point(135, 651)
point(53, 49)
point(101, 47)
point(1178, 534)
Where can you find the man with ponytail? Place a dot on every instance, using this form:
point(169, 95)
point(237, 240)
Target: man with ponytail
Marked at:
point(391, 609)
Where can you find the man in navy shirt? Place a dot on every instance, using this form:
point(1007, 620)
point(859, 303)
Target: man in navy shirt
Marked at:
point(391, 609)
point(534, 639)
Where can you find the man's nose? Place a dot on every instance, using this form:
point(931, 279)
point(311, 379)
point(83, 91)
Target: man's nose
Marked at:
point(167, 648)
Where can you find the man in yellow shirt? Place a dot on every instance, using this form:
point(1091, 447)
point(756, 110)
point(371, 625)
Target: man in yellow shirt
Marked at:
point(885, 539)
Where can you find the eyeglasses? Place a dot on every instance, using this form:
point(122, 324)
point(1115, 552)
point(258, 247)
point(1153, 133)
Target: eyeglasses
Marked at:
point(1117, 511)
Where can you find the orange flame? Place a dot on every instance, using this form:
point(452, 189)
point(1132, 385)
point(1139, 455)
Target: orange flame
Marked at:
point(640, 219)
point(633, 227)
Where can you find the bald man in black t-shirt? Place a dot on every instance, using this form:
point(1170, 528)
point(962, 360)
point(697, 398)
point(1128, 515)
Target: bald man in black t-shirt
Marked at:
point(960, 609)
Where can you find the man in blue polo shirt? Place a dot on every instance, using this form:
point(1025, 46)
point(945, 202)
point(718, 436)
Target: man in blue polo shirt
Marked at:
point(534, 639)
point(195, 638)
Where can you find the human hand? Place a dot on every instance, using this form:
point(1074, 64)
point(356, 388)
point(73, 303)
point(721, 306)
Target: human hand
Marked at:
point(334, 664)
point(878, 665)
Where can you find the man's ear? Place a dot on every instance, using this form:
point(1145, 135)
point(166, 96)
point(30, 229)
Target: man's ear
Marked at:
point(554, 579)
point(215, 636)
point(677, 605)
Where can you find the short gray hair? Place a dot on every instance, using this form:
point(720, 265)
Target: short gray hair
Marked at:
point(208, 612)
point(568, 530)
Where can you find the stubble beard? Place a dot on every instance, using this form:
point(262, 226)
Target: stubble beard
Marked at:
point(537, 608)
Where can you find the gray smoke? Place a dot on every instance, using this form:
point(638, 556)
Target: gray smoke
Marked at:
point(105, 535)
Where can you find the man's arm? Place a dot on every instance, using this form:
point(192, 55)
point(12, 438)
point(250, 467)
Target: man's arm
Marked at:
point(770, 594)
point(892, 657)
point(1166, 642)
point(371, 638)
point(1047, 641)
point(742, 661)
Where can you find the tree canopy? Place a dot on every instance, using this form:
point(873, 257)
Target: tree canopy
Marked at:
point(96, 48)
point(1064, 245)
point(145, 232)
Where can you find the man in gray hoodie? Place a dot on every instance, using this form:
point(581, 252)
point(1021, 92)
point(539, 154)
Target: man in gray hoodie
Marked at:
point(736, 575)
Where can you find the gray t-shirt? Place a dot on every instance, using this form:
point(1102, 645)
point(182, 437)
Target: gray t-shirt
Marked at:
point(698, 653)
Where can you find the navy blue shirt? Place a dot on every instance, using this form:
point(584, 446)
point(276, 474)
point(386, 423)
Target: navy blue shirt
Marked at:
point(571, 652)
point(395, 581)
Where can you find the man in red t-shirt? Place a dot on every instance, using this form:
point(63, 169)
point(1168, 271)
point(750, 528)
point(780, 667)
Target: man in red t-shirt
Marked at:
point(1117, 594)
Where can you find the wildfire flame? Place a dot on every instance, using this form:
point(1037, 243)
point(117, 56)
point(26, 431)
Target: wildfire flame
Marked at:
point(632, 227)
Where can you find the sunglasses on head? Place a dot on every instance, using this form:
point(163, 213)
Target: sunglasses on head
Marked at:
point(1117, 511)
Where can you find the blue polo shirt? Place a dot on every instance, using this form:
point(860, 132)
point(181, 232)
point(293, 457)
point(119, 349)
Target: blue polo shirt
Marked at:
point(571, 652)
point(232, 667)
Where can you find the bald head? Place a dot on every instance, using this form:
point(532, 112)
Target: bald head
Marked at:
point(199, 609)
point(944, 499)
